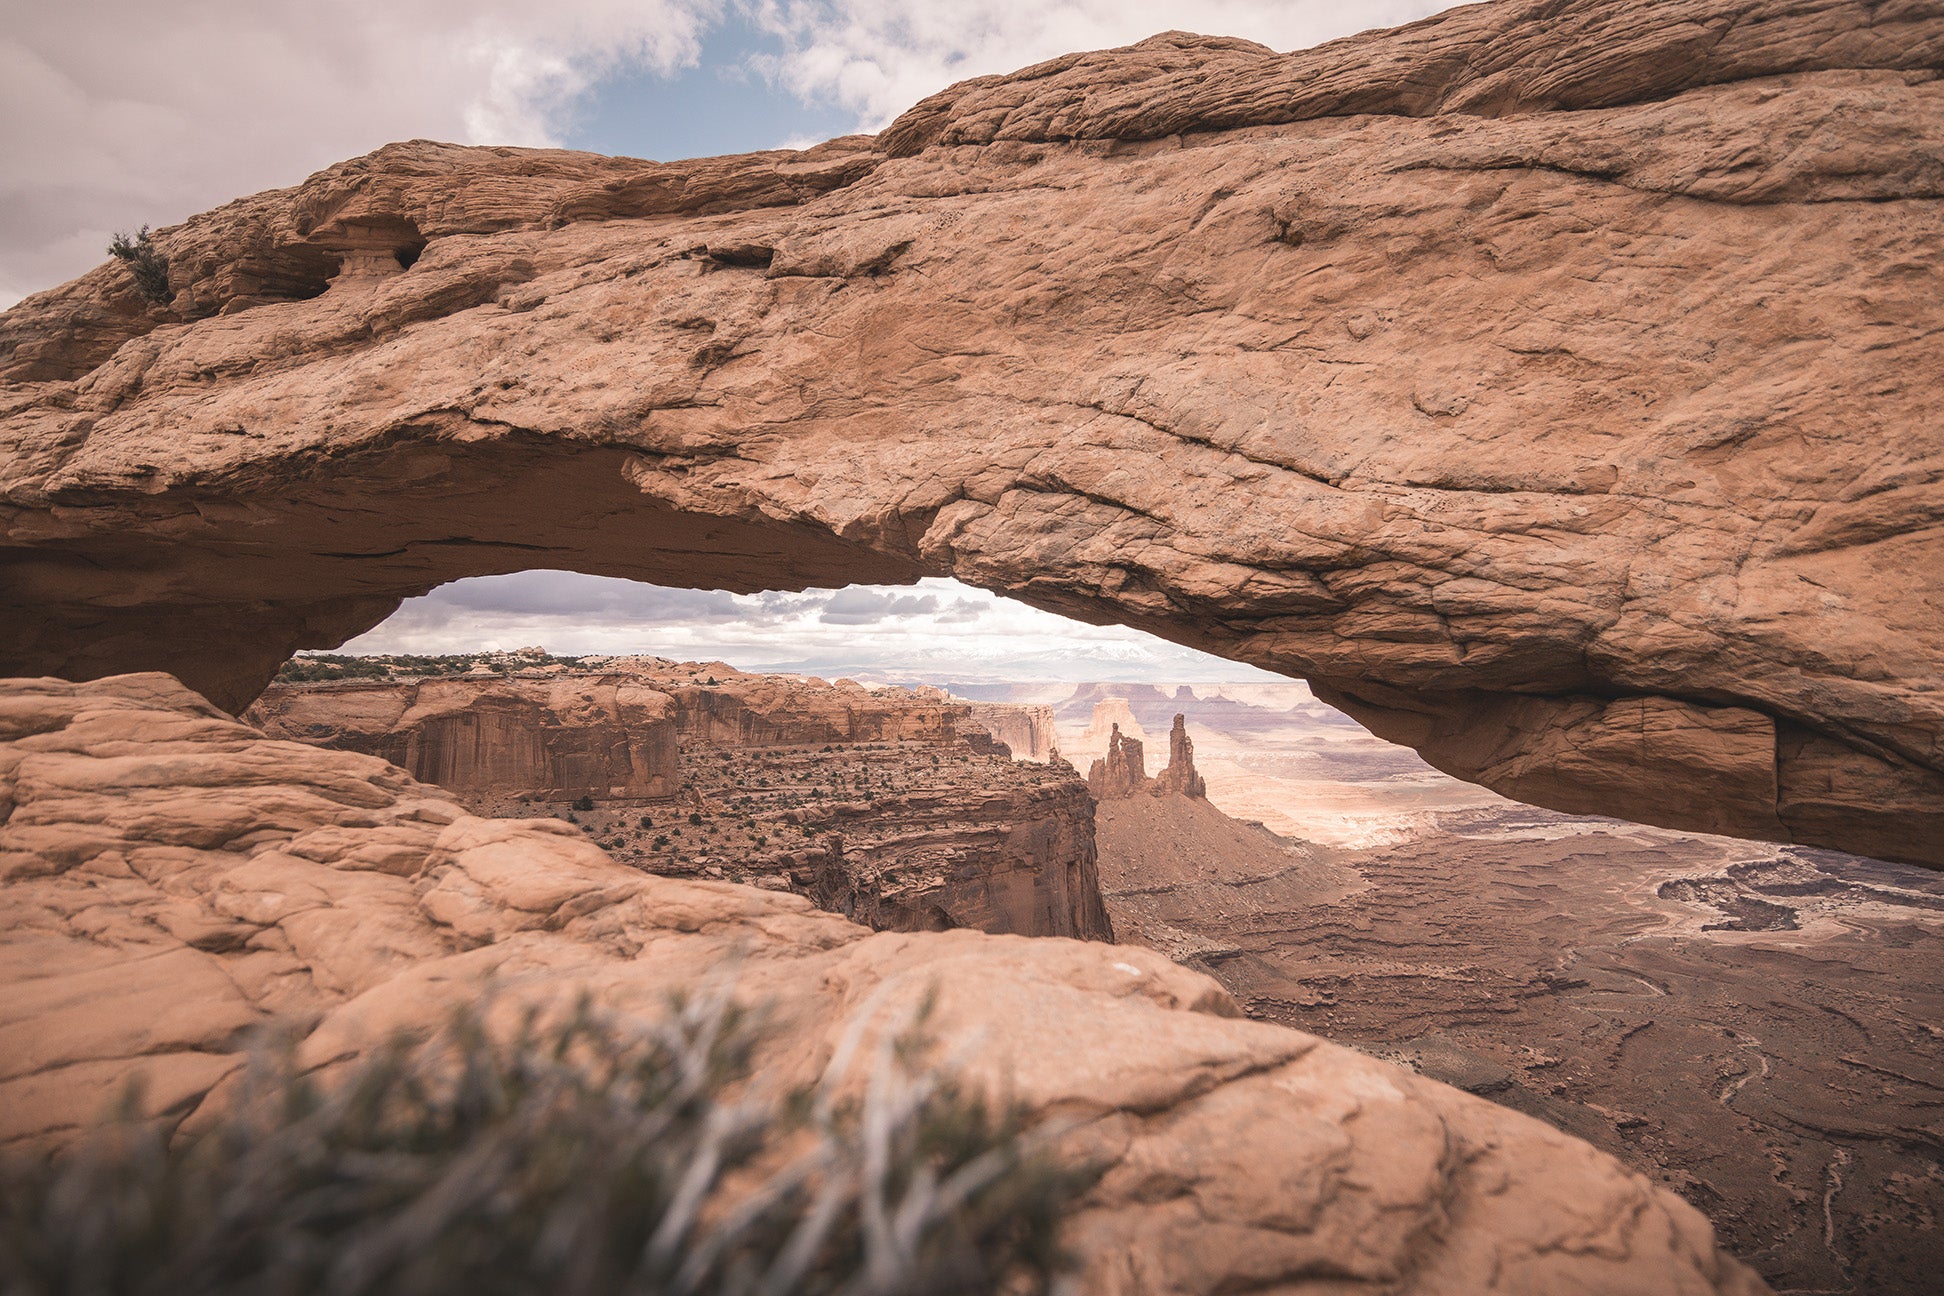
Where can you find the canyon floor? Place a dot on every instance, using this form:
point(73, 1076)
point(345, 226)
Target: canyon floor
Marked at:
point(1760, 1028)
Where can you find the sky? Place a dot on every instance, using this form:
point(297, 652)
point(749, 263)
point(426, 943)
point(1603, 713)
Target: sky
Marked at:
point(933, 632)
point(120, 113)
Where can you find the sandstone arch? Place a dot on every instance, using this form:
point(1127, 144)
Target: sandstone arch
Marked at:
point(1551, 384)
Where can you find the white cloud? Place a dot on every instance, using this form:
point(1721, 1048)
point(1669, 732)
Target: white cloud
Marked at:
point(124, 112)
point(939, 628)
point(878, 57)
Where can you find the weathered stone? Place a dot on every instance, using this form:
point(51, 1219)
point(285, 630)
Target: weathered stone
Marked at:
point(1551, 383)
point(1122, 772)
point(928, 839)
point(1236, 1154)
point(1180, 777)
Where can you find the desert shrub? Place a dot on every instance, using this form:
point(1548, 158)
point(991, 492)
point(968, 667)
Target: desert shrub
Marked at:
point(580, 1159)
point(583, 803)
point(149, 267)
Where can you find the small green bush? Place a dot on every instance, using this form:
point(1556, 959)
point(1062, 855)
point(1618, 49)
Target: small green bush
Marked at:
point(584, 803)
point(149, 267)
point(582, 1159)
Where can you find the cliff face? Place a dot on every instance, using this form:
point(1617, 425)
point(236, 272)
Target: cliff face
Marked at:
point(1573, 363)
point(1019, 860)
point(607, 733)
point(890, 806)
point(170, 877)
point(1027, 730)
point(607, 736)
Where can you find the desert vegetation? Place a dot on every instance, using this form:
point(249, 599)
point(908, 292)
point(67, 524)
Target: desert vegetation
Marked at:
point(578, 1157)
point(145, 262)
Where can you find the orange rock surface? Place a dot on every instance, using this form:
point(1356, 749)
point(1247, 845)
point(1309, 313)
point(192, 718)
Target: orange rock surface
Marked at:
point(1553, 384)
point(170, 877)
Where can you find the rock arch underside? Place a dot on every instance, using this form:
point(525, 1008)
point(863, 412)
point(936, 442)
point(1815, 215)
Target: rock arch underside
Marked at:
point(1554, 385)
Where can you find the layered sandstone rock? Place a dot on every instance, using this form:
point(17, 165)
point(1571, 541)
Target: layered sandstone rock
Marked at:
point(1004, 857)
point(1550, 383)
point(1122, 772)
point(1180, 777)
point(611, 732)
point(1027, 730)
point(890, 806)
point(169, 877)
point(552, 739)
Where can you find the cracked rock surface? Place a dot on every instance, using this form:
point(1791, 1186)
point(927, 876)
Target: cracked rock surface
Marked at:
point(1552, 384)
point(170, 877)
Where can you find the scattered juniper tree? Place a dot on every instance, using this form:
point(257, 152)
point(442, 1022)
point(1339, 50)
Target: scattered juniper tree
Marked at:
point(150, 268)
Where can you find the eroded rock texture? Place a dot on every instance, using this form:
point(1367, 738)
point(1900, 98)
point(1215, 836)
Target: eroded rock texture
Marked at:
point(609, 736)
point(1553, 384)
point(169, 878)
point(891, 806)
point(1122, 772)
point(1027, 730)
point(610, 733)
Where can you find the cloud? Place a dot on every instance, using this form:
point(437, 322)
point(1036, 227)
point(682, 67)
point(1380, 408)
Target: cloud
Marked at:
point(868, 605)
point(124, 112)
point(863, 629)
point(878, 57)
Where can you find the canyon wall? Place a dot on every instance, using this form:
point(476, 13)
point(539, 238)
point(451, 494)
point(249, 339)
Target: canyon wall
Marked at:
point(170, 878)
point(610, 733)
point(1019, 860)
point(890, 806)
point(1551, 383)
point(607, 736)
point(1027, 730)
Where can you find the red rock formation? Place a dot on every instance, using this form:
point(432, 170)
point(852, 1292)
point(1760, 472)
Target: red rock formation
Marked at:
point(169, 877)
point(1180, 777)
point(1017, 860)
point(1551, 382)
point(605, 736)
point(1122, 772)
point(925, 847)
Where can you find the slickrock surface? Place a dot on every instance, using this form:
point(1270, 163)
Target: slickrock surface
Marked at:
point(1552, 382)
point(890, 806)
point(172, 877)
